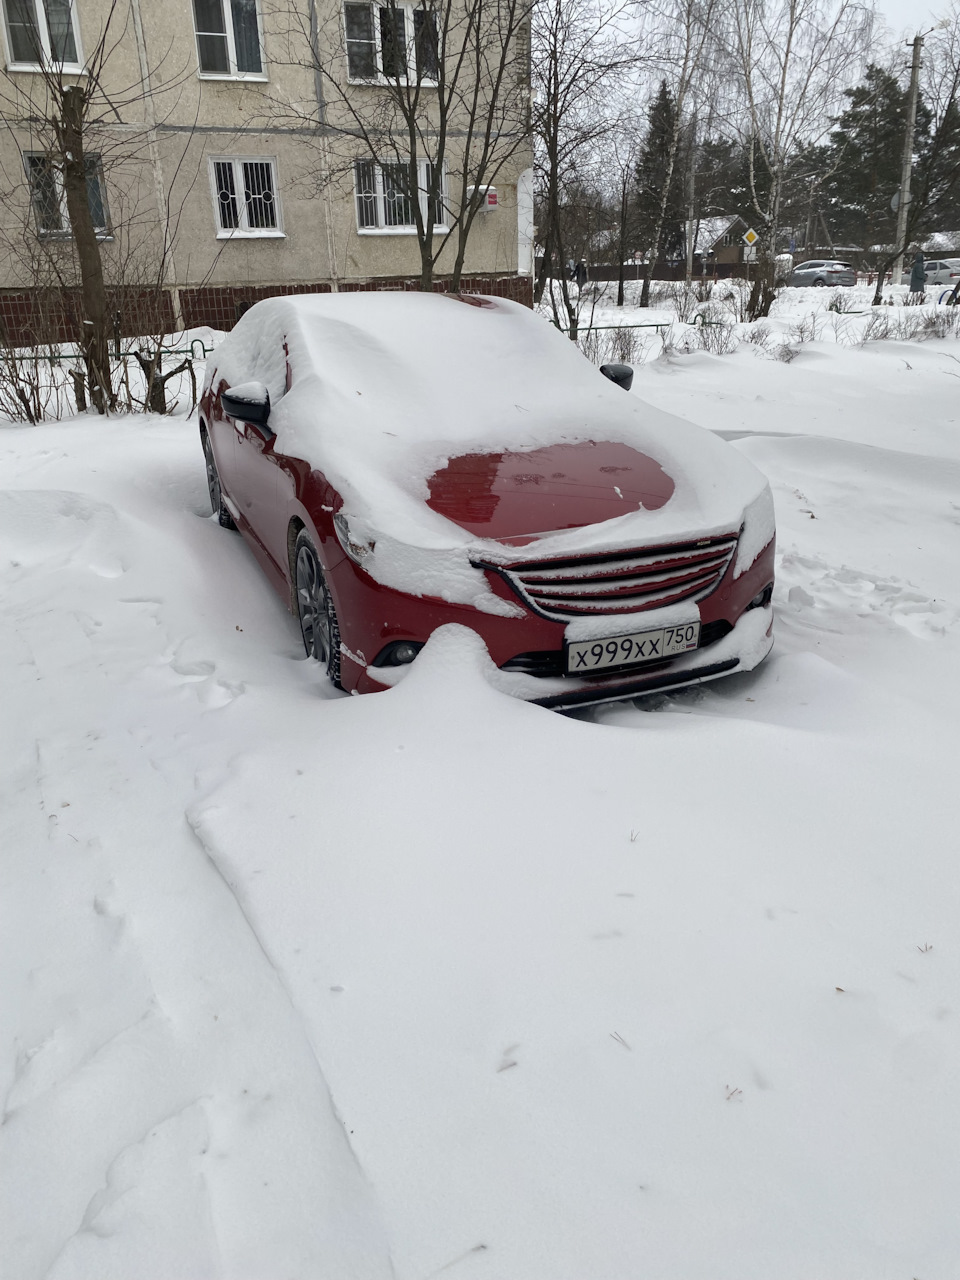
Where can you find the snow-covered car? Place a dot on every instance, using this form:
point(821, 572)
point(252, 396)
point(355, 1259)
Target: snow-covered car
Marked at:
point(398, 462)
point(942, 272)
point(822, 272)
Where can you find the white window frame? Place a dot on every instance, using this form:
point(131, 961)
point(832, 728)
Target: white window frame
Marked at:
point(244, 231)
point(103, 232)
point(408, 11)
point(43, 30)
point(409, 228)
point(233, 74)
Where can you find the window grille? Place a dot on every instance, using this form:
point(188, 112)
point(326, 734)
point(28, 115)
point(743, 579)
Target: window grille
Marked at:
point(245, 196)
point(385, 201)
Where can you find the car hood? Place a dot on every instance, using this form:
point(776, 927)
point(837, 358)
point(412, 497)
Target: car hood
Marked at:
point(515, 497)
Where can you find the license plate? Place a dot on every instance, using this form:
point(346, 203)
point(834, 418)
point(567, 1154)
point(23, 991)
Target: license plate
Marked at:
point(586, 657)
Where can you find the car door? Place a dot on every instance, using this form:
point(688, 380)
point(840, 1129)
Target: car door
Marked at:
point(931, 271)
point(223, 436)
point(257, 474)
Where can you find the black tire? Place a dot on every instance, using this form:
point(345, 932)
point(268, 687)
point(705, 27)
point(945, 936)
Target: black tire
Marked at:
point(315, 609)
point(217, 505)
point(819, 284)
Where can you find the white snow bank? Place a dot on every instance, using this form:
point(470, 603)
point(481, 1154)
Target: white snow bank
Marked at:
point(435, 983)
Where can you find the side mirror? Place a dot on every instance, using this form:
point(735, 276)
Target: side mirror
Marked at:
point(250, 402)
point(621, 374)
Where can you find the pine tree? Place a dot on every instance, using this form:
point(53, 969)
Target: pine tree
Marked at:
point(651, 176)
point(938, 173)
point(863, 159)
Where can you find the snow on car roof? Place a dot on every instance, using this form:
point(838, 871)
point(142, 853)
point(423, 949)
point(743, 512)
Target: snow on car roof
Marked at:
point(385, 387)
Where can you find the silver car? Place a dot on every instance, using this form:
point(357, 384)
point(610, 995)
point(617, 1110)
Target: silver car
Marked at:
point(822, 272)
point(942, 272)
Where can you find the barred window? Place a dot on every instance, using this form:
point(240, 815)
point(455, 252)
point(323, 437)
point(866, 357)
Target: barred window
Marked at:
point(245, 196)
point(49, 200)
point(385, 41)
point(42, 32)
point(385, 201)
point(228, 37)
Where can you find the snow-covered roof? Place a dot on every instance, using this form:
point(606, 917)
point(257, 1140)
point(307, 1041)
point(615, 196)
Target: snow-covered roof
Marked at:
point(942, 242)
point(711, 230)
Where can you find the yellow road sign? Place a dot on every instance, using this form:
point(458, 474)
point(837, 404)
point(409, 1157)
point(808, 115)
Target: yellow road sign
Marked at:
point(750, 237)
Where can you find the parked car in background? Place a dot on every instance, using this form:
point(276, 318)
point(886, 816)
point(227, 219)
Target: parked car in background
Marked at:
point(822, 272)
point(397, 462)
point(942, 272)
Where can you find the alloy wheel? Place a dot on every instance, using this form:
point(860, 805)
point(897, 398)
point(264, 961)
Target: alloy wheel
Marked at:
point(313, 605)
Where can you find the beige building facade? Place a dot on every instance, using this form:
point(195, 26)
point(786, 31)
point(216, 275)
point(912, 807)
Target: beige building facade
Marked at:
point(241, 148)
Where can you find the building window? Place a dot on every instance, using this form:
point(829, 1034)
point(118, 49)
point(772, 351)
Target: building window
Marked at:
point(228, 37)
point(386, 42)
point(42, 33)
point(384, 199)
point(245, 196)
point(49, 200)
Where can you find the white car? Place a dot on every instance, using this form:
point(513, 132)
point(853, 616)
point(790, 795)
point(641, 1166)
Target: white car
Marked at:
point(942, 272)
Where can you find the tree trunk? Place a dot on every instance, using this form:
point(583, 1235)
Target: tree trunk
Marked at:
point(657, 236)
point(95, 340)
point(623, 239)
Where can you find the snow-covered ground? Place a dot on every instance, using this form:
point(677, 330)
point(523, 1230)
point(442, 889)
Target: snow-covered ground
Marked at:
point(437, 983)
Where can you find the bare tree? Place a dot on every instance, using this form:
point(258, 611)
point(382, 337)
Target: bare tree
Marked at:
point(792, 59)
point(418, 119)
point(619, 172)
point(83, 125)
point(582, 51)
point(683, 49)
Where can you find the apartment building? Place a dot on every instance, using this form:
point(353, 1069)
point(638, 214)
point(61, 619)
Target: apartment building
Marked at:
point(236, 149)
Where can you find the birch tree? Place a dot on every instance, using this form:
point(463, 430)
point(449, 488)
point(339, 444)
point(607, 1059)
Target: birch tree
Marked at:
point(684, 51)
point(792, 61)
point(582, 53)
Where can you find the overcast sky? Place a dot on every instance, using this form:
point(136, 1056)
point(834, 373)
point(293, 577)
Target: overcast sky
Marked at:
point(909, 16)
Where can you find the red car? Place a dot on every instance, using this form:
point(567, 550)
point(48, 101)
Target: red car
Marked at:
point(398, 462)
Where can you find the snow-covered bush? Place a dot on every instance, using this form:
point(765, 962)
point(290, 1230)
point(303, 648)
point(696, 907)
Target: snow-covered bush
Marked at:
point(685, 302)
point(843, 301)
point(714, 331)
point(34, 385)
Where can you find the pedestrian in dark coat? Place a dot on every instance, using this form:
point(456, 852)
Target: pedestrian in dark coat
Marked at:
point(918, 278)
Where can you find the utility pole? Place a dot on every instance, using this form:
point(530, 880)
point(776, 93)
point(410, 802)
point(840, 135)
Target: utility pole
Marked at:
point(907, 163)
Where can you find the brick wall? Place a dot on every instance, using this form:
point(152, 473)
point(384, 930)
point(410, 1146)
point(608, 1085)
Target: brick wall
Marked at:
point(221, 306)
point(29, 317)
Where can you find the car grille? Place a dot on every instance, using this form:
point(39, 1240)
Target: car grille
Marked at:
point(620, 581)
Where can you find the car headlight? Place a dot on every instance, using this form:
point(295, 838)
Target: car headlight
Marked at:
point(356, 547)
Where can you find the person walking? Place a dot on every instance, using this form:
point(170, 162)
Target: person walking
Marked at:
point(918, 277)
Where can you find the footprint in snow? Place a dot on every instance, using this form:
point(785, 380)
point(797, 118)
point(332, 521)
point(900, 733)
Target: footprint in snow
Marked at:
point(815, 586)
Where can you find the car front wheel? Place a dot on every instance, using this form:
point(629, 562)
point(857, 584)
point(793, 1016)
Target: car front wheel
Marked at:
point(315, 609)
point(217, 505)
